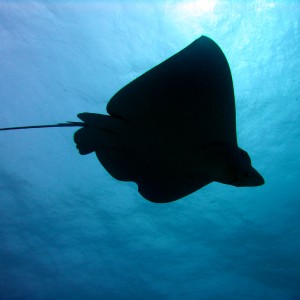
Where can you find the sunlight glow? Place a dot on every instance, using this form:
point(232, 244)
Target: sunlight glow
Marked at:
point(191, 16)
point(195, 8)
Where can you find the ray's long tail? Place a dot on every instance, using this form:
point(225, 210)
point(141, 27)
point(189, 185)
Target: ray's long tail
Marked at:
point(97, 129)
point(67, 124)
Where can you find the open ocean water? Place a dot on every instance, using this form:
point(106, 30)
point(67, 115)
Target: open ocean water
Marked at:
point(69, 231)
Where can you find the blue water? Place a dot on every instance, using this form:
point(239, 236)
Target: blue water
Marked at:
point(68, 230)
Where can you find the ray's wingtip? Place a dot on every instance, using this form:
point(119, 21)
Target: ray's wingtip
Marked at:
point(205, 37)
point(205, 40)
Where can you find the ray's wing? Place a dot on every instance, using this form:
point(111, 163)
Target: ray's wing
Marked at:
point(189, 96)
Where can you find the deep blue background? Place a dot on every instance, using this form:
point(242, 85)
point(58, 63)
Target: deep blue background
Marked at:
point(68, 230)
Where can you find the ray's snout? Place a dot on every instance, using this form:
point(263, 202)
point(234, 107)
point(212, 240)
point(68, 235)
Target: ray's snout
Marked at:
point(249, 178)
point(256, 178)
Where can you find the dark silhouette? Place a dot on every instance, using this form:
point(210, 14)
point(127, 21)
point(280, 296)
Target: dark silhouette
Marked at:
point(171, 130)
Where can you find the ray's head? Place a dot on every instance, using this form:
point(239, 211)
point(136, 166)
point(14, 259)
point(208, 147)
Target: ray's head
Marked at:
point(243, 172)
point(228, 164)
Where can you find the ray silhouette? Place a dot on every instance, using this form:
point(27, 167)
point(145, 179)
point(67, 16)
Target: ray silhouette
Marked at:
point(172, 130)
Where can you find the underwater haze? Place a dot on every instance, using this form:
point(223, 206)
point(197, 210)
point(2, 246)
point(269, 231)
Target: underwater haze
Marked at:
point(68, 230)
